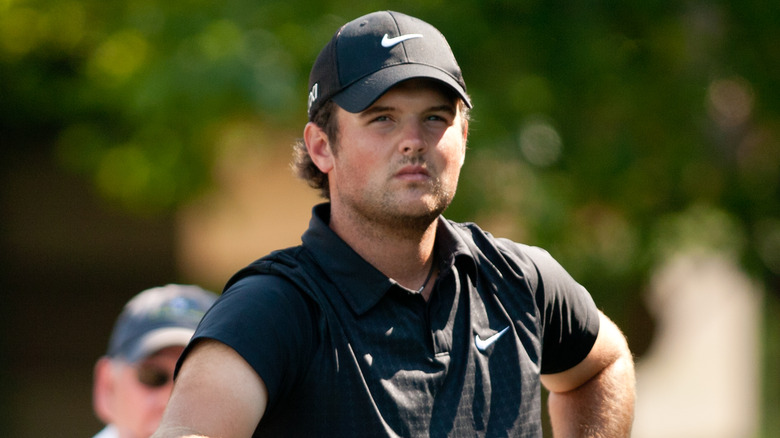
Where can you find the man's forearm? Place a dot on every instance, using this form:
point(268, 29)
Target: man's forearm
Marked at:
point(603, 407)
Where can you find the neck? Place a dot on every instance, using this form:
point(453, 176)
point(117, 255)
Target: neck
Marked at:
point(404, 254)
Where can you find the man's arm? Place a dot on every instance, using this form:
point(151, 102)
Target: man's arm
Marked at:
point(216, 394)
point(596, 397)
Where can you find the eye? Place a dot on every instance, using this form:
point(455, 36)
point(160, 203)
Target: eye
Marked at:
point(153, 377)
point(439, 118)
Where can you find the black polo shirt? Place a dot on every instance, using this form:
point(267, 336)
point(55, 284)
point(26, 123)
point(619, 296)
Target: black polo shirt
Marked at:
point(347, 352)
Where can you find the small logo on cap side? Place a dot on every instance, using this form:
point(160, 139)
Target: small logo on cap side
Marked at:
point(312, 96)
point(388, 42)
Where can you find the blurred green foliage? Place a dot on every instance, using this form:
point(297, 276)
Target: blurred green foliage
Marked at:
point(611, 133)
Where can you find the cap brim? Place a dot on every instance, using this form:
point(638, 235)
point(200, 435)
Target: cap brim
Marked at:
point(156, 340)
point(361, 94)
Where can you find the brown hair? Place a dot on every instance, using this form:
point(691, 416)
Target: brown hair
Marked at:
point(302, 164)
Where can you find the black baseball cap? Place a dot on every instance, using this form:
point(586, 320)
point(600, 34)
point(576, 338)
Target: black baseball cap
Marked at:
point(157, 318)
point(371, 54)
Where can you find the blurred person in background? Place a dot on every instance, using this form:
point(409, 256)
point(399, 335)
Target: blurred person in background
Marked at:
point(133, 381)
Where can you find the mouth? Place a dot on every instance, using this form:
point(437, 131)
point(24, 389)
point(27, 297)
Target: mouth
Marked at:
point(413, 173)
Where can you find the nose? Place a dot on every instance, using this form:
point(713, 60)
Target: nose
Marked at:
point(412, 139)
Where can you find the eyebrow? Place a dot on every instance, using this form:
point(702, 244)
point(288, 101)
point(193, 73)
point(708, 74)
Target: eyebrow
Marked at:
point(448, 108)
point(368, 112)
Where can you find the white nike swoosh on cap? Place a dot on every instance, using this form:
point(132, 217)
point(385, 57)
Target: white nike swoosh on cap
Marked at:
point(483, 344)
point(390, 42)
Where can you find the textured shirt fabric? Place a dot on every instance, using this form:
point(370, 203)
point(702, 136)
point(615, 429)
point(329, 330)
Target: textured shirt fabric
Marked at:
point(346, 351)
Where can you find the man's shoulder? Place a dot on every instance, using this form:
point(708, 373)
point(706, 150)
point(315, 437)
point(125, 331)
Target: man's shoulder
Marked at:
point(283, 262)
point(502, 253)
point(471, 234)
point(281, 272)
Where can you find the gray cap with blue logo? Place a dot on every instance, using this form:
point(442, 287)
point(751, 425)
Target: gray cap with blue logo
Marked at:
point(158, 318)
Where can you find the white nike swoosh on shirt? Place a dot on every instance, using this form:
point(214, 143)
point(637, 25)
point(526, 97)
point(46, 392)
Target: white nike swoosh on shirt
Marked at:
point(390, 42)
point(483, 344)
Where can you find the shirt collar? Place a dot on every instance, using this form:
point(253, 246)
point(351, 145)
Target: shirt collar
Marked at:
point(359, 282)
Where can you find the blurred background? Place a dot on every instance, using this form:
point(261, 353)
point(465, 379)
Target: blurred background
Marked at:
point(146, 142)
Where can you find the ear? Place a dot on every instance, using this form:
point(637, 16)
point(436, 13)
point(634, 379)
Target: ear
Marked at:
point(103, 389)
point(318, 145)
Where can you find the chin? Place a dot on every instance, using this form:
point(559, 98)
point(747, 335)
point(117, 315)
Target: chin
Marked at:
point(422, 217)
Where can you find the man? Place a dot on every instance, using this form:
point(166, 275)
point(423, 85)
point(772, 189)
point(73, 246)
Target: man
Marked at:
point(390, 320)
point(133, 381)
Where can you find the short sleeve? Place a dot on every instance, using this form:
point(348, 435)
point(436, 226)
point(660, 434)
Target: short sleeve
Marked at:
point(267, 321)
point(570, 318)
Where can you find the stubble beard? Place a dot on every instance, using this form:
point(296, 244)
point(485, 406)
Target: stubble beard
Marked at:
point(386, 211)
point(420, 221)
